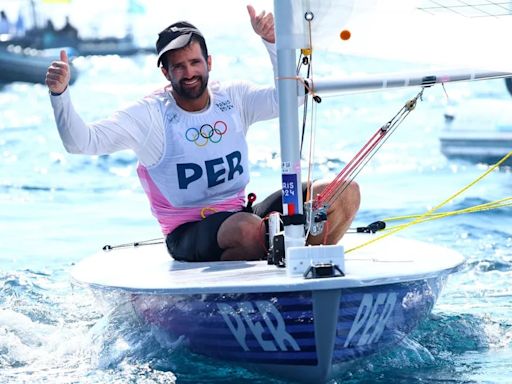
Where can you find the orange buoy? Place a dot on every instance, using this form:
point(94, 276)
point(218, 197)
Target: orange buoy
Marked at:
point(345, 34)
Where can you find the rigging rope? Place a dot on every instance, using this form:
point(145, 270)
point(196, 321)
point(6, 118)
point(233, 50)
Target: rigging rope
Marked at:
point(316, 207)
point(134, 245)
point(502, 203)
point(354, 166)
point(505, 202)
point(308, 59)
point(430, 213)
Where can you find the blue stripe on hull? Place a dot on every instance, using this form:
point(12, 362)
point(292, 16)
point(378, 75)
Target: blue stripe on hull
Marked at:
point(279, 328)
point(250, 328)
point(373, 318)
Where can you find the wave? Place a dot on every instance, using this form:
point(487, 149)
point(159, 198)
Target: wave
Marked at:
point(434, 352)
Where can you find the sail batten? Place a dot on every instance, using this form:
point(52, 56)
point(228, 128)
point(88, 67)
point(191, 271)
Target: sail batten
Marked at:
point(480, 8)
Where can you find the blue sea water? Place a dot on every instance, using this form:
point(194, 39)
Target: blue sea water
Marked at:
point(56, 209)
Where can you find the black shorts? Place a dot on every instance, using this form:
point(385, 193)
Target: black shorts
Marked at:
point(197, 240)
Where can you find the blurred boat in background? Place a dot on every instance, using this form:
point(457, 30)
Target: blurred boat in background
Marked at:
point(47, 38)
point(43, 34)
point(479, 130)
point(31, 42)
point(29, 65)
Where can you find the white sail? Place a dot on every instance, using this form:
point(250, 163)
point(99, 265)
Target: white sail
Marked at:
point(449, 40)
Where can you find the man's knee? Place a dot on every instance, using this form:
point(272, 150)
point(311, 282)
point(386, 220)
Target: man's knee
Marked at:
point(350, 199)
point(241, 230)
point(242, 237)
point(354, 193)
point(251, 230)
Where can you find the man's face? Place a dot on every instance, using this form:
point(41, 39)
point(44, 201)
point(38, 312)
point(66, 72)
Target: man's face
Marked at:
point(188, 71)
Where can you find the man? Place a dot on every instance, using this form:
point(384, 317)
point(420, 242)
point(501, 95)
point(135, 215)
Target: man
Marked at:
point(190, 140)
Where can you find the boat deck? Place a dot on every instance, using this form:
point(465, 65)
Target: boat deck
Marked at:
point(149, 268)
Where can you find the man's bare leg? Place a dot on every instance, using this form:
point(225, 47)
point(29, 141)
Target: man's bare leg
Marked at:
point(242, 236)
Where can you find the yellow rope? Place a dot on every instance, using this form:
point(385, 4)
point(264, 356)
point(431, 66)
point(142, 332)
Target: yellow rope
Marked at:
point(506, 202)
point(425, 216)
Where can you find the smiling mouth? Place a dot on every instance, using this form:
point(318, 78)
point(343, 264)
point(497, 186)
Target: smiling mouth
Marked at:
point(191, 82)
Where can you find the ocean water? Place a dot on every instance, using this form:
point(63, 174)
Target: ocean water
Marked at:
point(56, 209)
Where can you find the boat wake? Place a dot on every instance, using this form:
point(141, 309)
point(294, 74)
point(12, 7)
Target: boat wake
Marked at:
point(72, 341)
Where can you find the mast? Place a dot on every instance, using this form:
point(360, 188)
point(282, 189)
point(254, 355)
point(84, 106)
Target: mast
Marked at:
point(289, 121)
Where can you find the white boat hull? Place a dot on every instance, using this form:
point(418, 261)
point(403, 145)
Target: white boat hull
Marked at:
point(254, 314)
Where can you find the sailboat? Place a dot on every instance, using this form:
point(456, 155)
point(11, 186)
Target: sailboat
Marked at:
point(306, 312)
point(28, 65)
point(476, 137)
point(43, 35)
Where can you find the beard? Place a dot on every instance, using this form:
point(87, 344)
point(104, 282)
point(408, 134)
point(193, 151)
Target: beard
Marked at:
point(187, 92)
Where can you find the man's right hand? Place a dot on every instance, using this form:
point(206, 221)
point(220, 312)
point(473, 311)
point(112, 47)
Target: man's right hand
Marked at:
point(58, 74)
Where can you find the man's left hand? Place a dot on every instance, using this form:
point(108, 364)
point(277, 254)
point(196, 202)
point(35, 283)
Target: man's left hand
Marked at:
point(263, 24)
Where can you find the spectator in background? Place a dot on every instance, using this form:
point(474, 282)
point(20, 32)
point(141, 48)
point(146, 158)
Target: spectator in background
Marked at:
point(49, 35)
point(19, 27)
point(69, 30)
point(5, 25)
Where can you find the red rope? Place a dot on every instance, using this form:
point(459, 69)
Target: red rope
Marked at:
point(328, 193)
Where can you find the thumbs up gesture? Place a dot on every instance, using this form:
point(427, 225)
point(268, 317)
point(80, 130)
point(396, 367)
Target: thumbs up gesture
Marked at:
point(263, 24)
point(58, 74)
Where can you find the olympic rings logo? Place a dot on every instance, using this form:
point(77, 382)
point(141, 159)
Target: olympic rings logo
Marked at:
point(207, 133)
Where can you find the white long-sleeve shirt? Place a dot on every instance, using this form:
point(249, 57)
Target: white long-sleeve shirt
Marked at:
point(191, 163)
point(140, 126)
